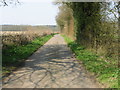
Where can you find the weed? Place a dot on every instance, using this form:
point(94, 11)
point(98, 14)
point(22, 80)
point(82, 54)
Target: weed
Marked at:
point(105, 71)
point(13, 56)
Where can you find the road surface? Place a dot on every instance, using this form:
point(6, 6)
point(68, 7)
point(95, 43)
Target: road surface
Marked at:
point(51, 66)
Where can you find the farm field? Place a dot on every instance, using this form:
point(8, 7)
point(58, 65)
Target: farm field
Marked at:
point(18, 45)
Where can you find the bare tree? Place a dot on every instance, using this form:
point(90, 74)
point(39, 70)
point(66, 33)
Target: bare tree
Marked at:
point(118, 6)
point(8, 2)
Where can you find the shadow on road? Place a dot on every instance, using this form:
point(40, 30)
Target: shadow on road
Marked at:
point(53, 65)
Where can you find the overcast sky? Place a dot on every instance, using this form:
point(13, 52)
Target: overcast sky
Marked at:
point(30, 12)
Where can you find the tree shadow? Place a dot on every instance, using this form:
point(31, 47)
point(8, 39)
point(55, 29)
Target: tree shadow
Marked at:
point(50, 61)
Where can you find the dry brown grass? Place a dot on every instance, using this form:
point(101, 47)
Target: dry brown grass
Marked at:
point(21, 37)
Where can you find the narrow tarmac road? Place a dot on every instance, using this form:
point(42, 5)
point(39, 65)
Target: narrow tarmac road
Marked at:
point(51, 66)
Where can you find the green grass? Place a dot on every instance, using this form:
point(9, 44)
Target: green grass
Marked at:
point(14, 56)
point(105, 71)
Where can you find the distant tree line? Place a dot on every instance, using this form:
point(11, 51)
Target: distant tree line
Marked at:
point(28, 28)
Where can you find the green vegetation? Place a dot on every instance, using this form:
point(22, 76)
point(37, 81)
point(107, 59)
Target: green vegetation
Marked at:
point(92, 25)
point(13, 56)
point(96, 36)
point(106, 71)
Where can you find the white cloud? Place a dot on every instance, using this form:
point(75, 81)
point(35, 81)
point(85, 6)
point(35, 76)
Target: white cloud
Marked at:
point(30, 13)
point(36, 1)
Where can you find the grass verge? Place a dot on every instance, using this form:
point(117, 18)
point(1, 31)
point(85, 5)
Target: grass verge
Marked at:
point(105, 71)
point(14, 56)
